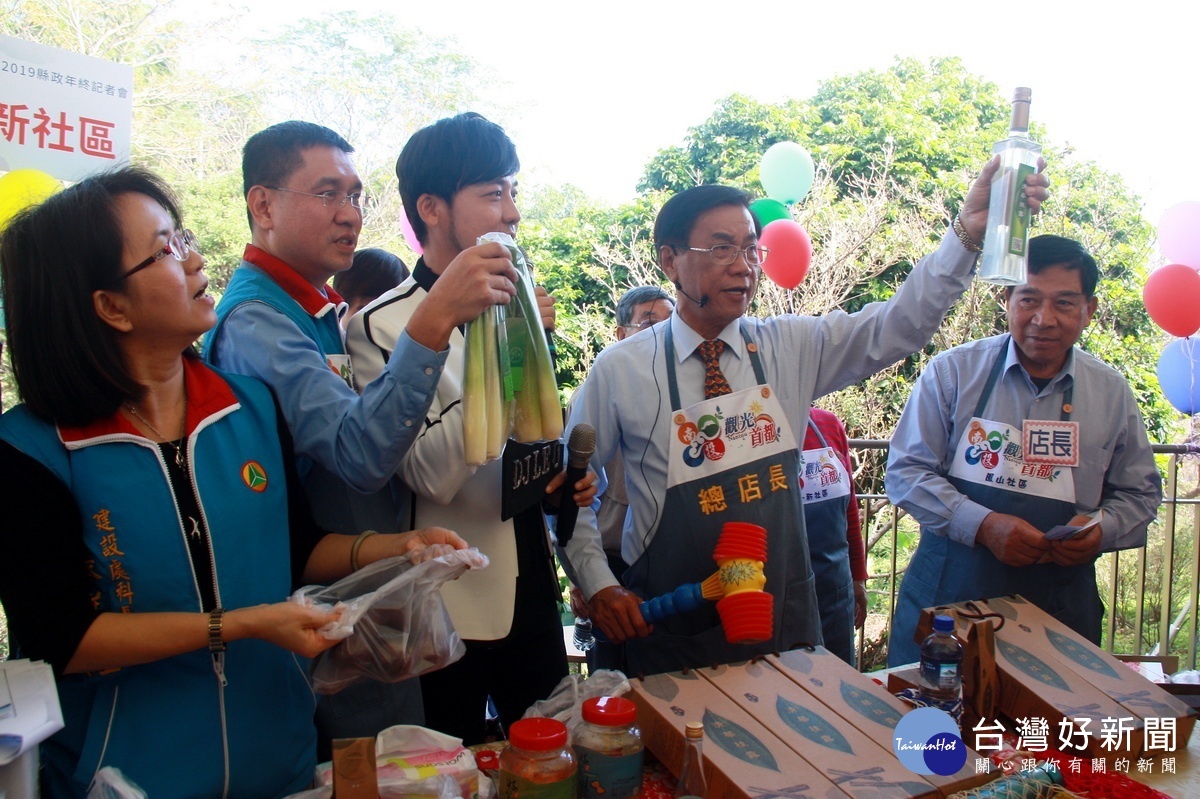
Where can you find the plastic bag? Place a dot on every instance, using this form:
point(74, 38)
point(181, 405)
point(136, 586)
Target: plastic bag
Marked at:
point(110, 783)
point(412, 761)
point(565, 702)
point(439, 786)
point(487, 403)
point(394, 621)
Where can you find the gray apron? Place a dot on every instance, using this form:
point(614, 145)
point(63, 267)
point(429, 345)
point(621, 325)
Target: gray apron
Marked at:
point(729, 486)
point(825, 521)
point(943, 571)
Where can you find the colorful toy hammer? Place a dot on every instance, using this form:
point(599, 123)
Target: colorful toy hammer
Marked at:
point(746, 610)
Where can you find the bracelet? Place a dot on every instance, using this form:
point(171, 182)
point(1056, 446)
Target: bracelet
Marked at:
point(215, 644)
point(961, 232)
point(354, 549)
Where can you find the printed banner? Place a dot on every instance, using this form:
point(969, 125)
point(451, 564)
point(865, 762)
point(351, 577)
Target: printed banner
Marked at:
point(63, 113)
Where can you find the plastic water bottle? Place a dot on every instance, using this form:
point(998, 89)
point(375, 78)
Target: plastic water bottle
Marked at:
point(941, 664)
point(584, 637)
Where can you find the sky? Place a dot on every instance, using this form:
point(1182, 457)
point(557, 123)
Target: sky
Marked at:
point(595, 90)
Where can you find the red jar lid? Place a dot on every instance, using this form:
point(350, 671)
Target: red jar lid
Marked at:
point(609, 711)
point(537, 734)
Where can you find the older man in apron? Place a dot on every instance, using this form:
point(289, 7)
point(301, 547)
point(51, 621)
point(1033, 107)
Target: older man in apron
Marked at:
point(1052, 438)
point(704, 410)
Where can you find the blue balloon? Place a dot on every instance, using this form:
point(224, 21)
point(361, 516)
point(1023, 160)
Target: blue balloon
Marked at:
point(1179, 375)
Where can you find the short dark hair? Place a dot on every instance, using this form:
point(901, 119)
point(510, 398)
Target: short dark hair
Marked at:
point(272, 155)
point(678, 216)
point(442, 158)
point(1049, 250)
point(637, 296)
point(372, 272)
point(67, 363)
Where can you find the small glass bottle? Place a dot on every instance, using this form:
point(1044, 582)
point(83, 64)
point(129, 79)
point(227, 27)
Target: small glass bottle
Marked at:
point(537, 763)
point(692, 784)
point(609, 747)
point(1007, 237)
point(941, 664)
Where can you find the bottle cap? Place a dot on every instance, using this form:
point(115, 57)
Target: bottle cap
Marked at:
point(609, 711)
point(537, 734)
point(943, 624)
point(694, 730)
point(1022, 94)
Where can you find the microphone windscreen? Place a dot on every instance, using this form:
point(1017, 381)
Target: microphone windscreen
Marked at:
point(581, 445)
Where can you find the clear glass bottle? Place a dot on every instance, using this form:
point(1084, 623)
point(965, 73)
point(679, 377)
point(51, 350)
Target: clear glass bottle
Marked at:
point(692, 784)
point(1007, 237)
point(609, 747)
point(584, 638)
point(537, 763)
point(941, 664)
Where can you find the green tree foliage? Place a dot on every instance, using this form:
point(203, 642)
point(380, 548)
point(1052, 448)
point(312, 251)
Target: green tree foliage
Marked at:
point(377, 82)
point(895, 149)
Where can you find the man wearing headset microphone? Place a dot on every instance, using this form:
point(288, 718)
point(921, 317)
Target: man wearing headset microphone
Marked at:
point(706, 410)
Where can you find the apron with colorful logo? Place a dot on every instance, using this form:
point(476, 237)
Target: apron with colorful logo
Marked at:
point(731, 458)
point(989, 469)
point(826, 495)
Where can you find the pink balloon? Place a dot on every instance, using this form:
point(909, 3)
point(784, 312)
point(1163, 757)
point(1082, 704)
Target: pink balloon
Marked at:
point(410, 238)
point(1172, 297)
point(790, 252)
point(1179, 234)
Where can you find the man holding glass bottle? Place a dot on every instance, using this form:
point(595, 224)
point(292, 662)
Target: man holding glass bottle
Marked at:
point(644, 395)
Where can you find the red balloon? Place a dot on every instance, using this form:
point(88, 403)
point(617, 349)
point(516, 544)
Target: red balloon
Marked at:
point(1172, 298)
point(790, 252)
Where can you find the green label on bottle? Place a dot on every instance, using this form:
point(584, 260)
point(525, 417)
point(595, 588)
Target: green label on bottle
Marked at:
point(1018, 223)
point(514, 787)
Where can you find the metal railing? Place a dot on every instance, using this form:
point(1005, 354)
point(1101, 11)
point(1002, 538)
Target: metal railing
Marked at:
point(1162, 608)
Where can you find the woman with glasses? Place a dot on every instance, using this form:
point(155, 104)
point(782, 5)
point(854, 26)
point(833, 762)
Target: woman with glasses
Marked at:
point(150, 533)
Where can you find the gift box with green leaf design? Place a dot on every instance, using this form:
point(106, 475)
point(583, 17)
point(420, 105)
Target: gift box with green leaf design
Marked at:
point(1046, 671)
point(743, 758)
point(866, 706)
point(1029, 627)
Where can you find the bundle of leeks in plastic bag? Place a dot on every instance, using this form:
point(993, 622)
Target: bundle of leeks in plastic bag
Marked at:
point(508, 376)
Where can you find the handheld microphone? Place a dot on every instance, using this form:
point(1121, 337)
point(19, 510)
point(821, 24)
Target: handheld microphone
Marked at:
point(580, 447)
point(699, 302)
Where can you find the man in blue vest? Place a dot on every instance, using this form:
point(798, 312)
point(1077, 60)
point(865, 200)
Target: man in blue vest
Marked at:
point(279, 321)
point(1007, 438)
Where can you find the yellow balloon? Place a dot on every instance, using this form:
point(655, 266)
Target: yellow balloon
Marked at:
point(22, 188)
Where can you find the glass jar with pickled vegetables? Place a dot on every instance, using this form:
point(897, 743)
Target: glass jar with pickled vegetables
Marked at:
point(609, 747)
point(538, 762)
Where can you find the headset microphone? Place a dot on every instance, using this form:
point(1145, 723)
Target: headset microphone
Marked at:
point(699, 302)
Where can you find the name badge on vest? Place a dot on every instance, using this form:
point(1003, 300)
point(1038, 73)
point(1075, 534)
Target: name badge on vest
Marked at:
point(1051, 442)
point(823, 476)
point(990, 454)
point(340, 364)
point(526, 471)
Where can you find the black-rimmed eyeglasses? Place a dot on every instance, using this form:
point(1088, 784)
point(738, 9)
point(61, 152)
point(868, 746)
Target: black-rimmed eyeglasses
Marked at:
point(334, 199)
point(179, 245)
point(725, 254)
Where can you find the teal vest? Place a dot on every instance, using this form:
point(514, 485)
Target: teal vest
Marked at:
point(161, 723)
point(251, 284)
